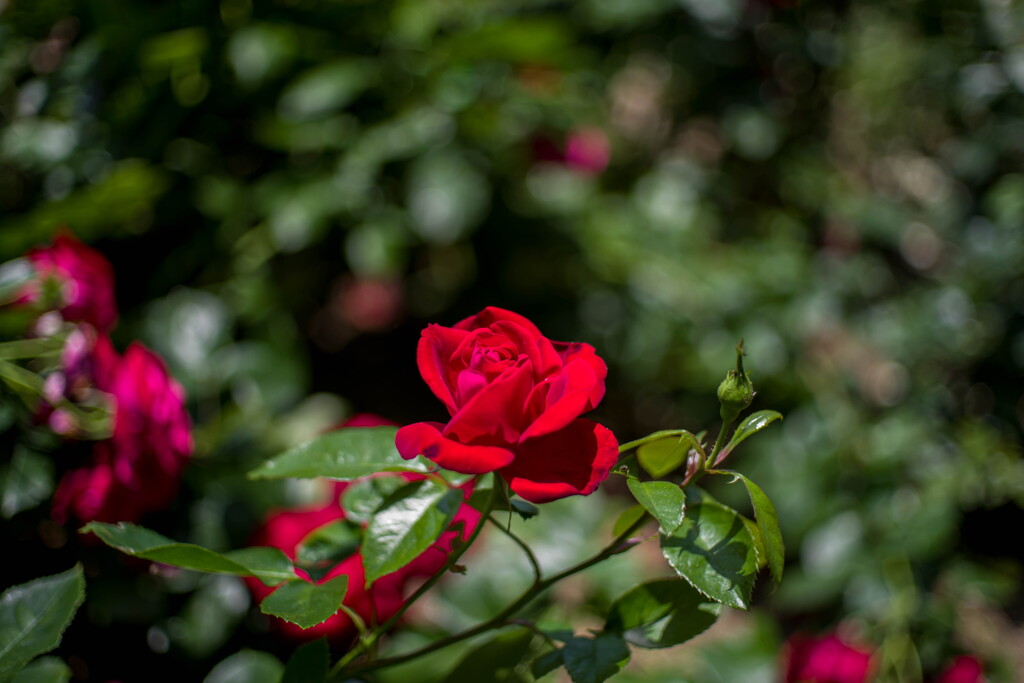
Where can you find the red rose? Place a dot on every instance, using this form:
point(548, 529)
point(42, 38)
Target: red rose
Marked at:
point(825, 660)
point(84, 277)
point(137, 469)
point(515, 398)
point(286, 530)
point(963, 669)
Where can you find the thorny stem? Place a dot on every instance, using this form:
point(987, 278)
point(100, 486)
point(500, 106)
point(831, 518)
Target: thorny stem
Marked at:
point(503, 617)
point(525, 548)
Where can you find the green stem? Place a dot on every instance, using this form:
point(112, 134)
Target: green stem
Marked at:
point(719, 442)
point(525, 548)
point(503, 617)
point(650, 437)
point(457, 553)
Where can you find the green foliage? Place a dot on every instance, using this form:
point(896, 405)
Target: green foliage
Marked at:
point(33, 616)
point(306, 604)
point(497, 659)
point(308, 664)
point(44, 670)
point(714, 551)
point(408, 522)
point(661, 613)
point(25, 481)
point(343, 454)
point(664, 500)
point(770, 534)
point(269, 565)
point(247, 666)
point(750, 425)
point(592, 660)
point(662, 456)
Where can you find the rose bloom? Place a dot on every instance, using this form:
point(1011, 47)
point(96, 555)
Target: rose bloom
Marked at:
point(286, 530)
point(515, 398)
point(137, 469)
point(84, 278)
point(825, 660)
point(963, 669)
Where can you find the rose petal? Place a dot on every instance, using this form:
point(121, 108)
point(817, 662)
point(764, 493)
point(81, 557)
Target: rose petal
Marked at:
point(436, 347)
point(425, 438)
point(539, 349)
point(492, 315)
point(496, 413)
point(565, 397)
point(572, 461)
point(578, 351)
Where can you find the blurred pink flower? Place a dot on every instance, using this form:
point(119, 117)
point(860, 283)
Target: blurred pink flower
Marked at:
point(287, 529)
point(826, 659)
point(963, 669)
point(84, 279)
point(586, 151)
point(137, 469)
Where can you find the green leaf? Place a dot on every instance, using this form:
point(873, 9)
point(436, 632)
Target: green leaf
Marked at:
point(524, 509)
point(661, 613)
point(662, 456)
point(33, 617)
point(664, 500)
point(751, 425)
point(592, 660)
point(410, 520)
point(343, 454)
point(25, 482)
point(482, 493)
point(44, 670)
point(306, 604)
point(308, 664)
point(326, 546)
point(767, 525)
point(713, 550)
point(269, 565)
point(247, 666)
point(546, 663)
point(654, 436)
point(627, 518)
point(494, 660)
point(362, 498)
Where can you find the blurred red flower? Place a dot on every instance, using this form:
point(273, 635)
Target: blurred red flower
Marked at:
point(287, 529)
point(84, 282)
point(963, 669)
point(138, 468)
point(827, 659)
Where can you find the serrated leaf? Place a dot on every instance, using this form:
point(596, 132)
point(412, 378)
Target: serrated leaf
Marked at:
point(627, 518)
point(247, 666)
point(362, 498)
point(661, 613)
point(306, 604)
point(494, 660)
point(269, 565)
point(664, 500)
point(327, 545)
point(661, 456)
point(308, 664)
point(408, 523)
point(751, 425)
point(44, 670)
point(592, 660)
point(713, 550)
point(33, 617)
point(768, 526)
point(25, 482)
point(546, 663)
point(343, 454)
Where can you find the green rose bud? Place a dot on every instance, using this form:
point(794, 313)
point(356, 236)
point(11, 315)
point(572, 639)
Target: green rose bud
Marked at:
point(736, 391)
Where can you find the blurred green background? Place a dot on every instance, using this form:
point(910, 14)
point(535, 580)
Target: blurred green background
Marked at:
point(290, 190)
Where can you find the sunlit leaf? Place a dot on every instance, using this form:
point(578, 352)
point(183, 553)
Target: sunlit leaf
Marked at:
point(306, 604)
point(664, 500)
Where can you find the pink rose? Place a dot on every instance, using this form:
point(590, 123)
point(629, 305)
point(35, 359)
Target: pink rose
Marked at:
point(585, 151)
point(137, 469)
point(84, 279)
point(286, 530)
point(963, 669)
point(825, 660)
point(515, 398)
